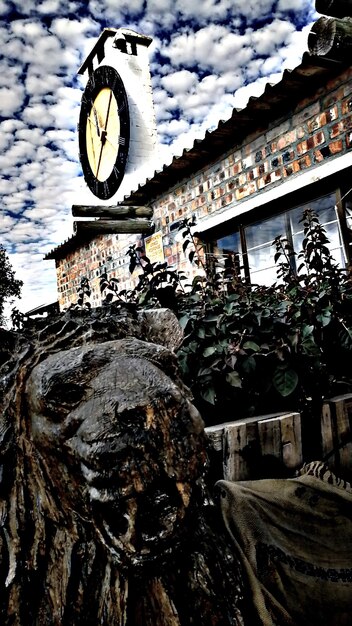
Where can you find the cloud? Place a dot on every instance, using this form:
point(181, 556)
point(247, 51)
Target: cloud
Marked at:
point(206, 57)
point(11, 99)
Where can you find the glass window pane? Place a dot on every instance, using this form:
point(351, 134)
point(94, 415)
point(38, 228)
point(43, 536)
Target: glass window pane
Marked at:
point(229, 249)
point(324, 207)
point(327, 214)
point(265, 231)
point(230, 243)
point(260, 249)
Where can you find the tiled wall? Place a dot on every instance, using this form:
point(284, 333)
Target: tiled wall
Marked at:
point(317, 130)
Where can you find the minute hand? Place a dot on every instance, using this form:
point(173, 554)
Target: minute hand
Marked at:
point(104, 133)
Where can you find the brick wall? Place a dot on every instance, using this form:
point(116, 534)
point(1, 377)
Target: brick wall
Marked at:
point(314, 132)
point(106, 253)
point(317, 130)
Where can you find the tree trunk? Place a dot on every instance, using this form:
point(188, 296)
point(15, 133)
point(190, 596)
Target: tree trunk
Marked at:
point(112, 212)
point(138, 225)
point(105, 514)
point(331, 39)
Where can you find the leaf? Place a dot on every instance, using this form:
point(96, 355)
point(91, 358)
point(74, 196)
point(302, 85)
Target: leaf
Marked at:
point(249, 365)
point(251, 345)
point(185, 245)
point(132, 266)
point(183, 321)
point(345, 337)
point(307, 331)
point(324, 317)
point(209, 351)
point(234, 379)
point(209, 395)
point(228, 307)
point(211, 318)
point(285, 381)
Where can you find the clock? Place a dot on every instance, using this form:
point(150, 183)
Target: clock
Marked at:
point(104, 132)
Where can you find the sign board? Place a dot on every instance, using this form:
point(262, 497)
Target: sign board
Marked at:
point(154, 248)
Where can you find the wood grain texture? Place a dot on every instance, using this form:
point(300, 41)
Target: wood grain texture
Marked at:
point(106, 517)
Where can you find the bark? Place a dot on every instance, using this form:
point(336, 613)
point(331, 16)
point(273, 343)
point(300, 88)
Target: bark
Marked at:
point(105, 513)
point(331, 39)
point(112, 226)
point(111, 211)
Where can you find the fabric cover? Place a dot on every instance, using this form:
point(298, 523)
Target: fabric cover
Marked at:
point(294, 538)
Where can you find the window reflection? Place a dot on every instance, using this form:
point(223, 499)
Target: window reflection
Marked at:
point(259, 258)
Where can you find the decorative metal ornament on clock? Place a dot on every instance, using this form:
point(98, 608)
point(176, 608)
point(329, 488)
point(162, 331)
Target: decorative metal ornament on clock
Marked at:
point(104, 132)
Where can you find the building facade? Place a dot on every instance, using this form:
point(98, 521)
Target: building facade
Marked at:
point(245, 183)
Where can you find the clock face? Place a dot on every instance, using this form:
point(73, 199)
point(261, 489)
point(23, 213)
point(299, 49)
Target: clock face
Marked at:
point(104, 132)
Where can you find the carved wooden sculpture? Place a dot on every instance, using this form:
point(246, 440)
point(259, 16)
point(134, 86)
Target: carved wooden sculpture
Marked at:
point(104, 512)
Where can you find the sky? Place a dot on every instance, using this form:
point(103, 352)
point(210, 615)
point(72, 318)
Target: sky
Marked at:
point(207, 57)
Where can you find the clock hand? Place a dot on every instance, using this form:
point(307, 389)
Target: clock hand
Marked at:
point(113, 145)
point(96, 120)
point(104, 133)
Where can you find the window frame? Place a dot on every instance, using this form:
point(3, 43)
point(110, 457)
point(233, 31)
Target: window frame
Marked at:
point(338, 184)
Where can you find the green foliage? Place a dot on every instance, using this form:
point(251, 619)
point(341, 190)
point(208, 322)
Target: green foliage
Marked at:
point(158, 284)
point(83, 295)
point(9, 285)
point(254, 349)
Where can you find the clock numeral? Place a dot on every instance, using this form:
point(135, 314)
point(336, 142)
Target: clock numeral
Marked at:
point(122, 141)
point(106, 189)
point(91, 82)
point(94, 187)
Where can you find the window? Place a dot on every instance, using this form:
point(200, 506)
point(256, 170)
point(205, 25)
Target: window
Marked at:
point(252, 243)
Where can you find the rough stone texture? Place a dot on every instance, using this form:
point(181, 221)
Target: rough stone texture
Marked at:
point(105, 516)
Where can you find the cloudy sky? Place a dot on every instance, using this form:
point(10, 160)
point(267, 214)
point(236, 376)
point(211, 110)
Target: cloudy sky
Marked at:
point(207, 57)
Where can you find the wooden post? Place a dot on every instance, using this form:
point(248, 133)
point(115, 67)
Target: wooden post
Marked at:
point(331, 39)
point(335, 8)
point(112, 212)
point(247, 442)
point(139, 226)
point(341, 410)
point(327, 435)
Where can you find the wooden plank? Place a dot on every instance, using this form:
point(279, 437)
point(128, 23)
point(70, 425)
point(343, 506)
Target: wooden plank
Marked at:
point(245, 442)
point(215, 436)
point(112, 212)
point(291, 440)
point(234, 441)
point(100, 227)
point(327, 435)
point(342, 409)
point(270, 437)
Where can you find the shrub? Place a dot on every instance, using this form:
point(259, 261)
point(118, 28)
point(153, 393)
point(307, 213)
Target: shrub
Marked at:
point(252, 349)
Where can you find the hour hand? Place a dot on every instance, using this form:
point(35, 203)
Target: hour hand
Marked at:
point(96, 121)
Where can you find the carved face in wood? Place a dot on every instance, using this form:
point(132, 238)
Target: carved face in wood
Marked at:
point(118, 439)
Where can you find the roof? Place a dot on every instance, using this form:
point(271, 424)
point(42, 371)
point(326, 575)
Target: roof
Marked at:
point(51, 307)
point(276, 101)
